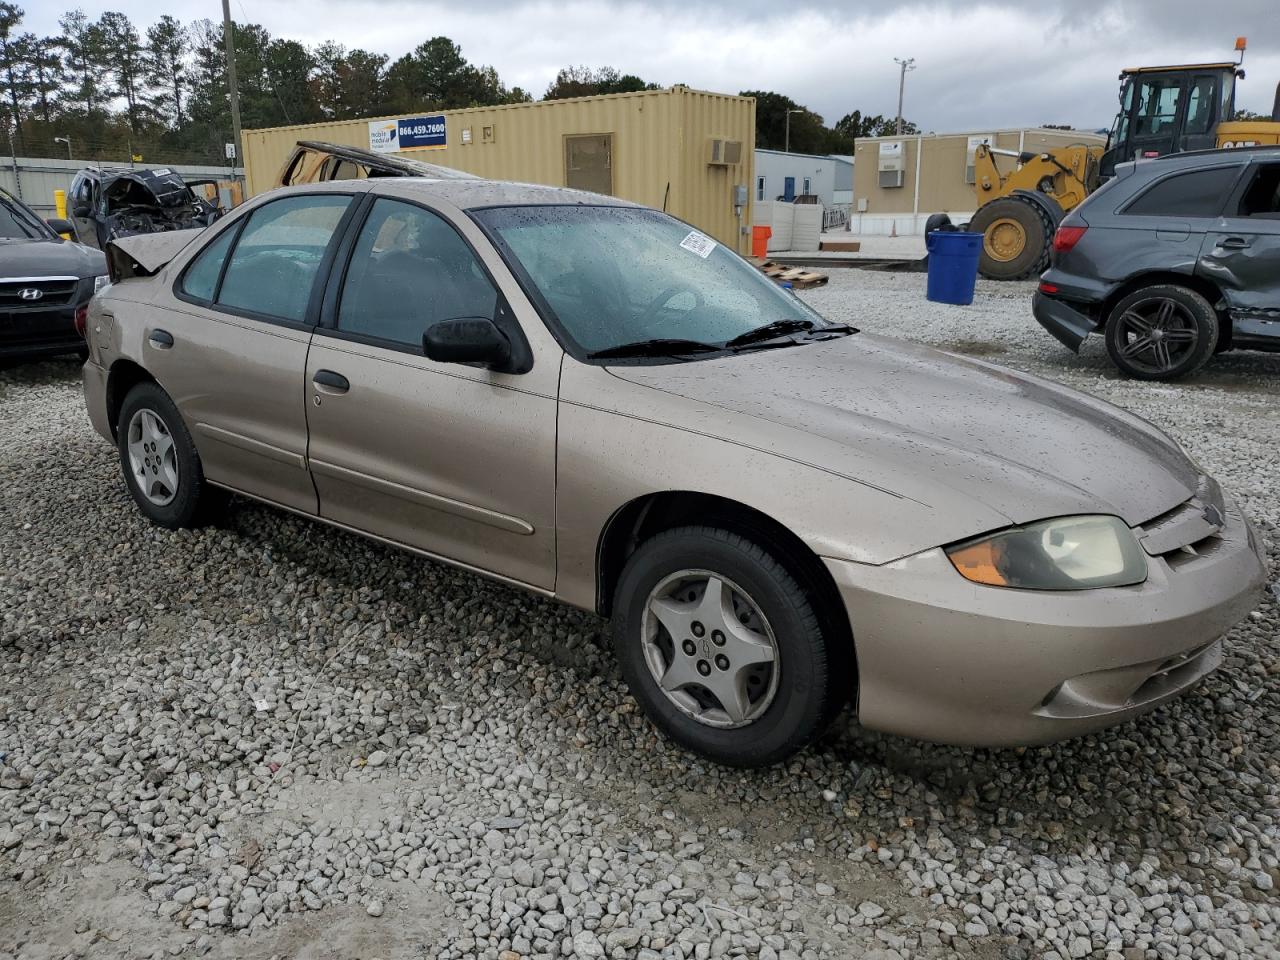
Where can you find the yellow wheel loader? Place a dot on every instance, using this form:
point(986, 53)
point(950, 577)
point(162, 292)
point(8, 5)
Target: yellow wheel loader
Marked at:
point(1162, 110)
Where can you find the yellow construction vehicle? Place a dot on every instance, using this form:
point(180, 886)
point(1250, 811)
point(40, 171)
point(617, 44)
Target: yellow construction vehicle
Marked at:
point(1162, 110)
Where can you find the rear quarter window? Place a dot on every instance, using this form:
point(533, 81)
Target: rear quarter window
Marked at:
point(1197, 193)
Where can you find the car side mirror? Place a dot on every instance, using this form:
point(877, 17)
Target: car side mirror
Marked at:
point(59, 225)
point(81, 209)
point(467, 340)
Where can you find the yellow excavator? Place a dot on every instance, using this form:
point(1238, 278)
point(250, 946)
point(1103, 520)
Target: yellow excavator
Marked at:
point(1162, 110)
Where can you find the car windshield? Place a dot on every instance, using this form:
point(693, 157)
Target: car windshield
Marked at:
point(622, 276)
point(19, 223)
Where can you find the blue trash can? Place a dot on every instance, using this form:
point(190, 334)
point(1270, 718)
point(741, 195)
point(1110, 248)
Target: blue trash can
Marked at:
point(953, 265)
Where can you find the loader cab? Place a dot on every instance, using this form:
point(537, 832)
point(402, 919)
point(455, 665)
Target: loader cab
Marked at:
point(1169, 110)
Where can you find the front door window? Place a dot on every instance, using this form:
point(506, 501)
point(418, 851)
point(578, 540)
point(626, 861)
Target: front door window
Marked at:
point(411, 269)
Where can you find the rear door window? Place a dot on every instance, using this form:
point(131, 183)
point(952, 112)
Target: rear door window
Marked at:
point(1199, 193)
point(276, 260)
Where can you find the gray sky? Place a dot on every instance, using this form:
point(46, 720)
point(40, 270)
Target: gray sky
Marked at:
point(978, 65)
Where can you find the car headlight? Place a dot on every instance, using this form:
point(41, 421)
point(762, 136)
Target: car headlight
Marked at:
point(101, 283)
point(1069, 553)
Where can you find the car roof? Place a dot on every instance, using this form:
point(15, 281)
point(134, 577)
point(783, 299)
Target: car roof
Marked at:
point(1206, 158)
point(472, 194)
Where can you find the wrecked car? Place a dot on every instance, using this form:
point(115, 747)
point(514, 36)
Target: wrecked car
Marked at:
point(314, 161)
point(109, 204)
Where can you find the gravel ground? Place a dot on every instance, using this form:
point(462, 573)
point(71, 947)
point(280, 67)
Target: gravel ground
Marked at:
point(269, 738)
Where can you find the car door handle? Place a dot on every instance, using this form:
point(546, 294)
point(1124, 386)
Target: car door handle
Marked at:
point(334, 382)
point(1233, 243)
point(161, 339)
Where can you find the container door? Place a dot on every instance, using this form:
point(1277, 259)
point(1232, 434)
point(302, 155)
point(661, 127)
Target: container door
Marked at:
point(588, 163)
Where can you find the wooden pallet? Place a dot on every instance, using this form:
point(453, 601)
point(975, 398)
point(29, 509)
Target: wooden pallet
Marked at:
point(798, 277)
point(840, 246)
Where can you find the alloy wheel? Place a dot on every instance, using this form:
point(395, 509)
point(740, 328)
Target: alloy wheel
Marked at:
point(153, 458)
point(1157, 335)
point(710, 649)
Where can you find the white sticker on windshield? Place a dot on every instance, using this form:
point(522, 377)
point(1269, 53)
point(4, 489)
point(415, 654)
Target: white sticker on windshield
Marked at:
point(162, 172)
point(698, 243)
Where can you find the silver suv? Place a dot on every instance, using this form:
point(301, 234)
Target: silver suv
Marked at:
point(1173, 260)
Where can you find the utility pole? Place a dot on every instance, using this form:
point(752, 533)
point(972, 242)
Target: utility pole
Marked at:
point(229, 39)
point(908, 64)
point(786, 148)
point(67, 141)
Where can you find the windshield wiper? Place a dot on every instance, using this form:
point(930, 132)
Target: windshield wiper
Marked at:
point(769, 331)
point(657, 347)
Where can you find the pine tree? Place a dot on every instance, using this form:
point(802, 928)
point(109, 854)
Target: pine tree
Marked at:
point(11, 65)
point(81, 42)
point(127, 65)
point(168, 44)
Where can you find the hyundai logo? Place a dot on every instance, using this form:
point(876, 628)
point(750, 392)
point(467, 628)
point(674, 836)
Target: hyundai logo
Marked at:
point(30, 293)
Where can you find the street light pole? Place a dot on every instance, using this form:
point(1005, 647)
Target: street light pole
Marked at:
point(908, 64)
point(67, 141)
point(786, 148)
point(229, 39)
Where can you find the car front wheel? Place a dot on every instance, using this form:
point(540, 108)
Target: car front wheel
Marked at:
point(161, 466)
point(722, 647)
point(1162, 332)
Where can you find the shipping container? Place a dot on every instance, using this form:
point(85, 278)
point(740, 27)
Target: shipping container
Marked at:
point(685, 151)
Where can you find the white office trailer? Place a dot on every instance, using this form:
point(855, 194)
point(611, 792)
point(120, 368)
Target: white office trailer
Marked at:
point(786, 176)
point(818, 187)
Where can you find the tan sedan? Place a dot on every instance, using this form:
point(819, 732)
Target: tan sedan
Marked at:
point(595, 402)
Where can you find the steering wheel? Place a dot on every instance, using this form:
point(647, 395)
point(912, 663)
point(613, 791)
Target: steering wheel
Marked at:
point(651, 309)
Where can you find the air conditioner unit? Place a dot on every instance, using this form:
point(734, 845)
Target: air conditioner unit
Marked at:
point(723, 153)
point(970, 173)
point(891, 166)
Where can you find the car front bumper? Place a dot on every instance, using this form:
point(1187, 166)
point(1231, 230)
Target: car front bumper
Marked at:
point(1068, 325)
point(943, 659)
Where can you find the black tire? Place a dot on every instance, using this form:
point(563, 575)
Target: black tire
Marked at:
point(811, 685)
point(938, 221)
point(194, 502)
point(1001, 222)
point(1187, 328)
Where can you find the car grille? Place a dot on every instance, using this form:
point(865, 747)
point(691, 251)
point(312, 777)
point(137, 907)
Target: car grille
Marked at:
point(53, 292)
point(1190, 530)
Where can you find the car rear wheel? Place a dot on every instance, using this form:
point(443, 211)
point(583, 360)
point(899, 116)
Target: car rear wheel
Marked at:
point(722, 647)
point(161, 466)
point(1162, 332)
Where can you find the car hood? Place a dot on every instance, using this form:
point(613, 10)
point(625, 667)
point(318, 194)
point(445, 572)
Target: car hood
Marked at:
point(49, 258)
point(929, 425)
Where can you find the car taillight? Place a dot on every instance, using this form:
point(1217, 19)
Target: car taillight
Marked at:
point(1046, 287)
point(1066, 238)
point(82, 319)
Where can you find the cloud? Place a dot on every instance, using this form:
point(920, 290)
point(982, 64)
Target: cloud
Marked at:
point(978, 67)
